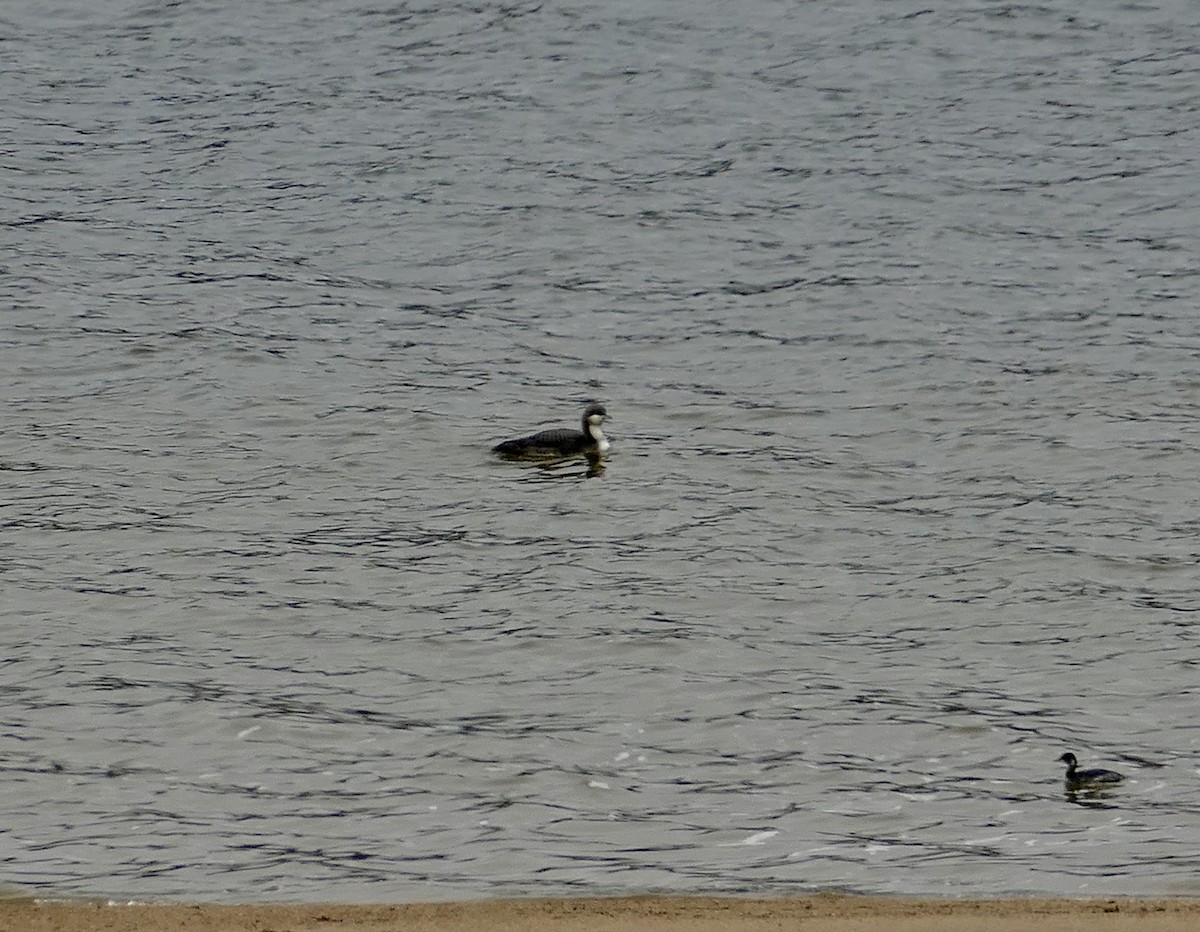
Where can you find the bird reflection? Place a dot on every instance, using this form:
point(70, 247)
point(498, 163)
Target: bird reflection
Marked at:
point(567, 468)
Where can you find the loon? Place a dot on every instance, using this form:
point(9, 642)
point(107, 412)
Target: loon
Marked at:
point(1077, 779)
point(559, 443)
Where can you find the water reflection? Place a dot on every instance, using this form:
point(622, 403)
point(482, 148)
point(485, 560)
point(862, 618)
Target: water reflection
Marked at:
point(566, 467)
point(1090, 797)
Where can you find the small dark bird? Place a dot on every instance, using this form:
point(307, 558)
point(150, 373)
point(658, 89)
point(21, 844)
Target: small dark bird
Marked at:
point(551, 444)
point(1079, 779)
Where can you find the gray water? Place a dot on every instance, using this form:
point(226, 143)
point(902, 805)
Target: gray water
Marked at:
point(895, 312)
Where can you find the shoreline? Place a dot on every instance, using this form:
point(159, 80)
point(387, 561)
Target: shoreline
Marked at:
point(652, 913)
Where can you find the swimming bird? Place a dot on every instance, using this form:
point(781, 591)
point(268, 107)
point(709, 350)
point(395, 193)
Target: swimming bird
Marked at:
point(550, 444)
point(1077, 779)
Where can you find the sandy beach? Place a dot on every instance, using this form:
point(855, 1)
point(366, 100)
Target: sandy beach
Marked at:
point(624, 914)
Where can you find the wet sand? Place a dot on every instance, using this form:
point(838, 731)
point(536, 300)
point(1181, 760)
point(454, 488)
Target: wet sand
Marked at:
point(623, 914)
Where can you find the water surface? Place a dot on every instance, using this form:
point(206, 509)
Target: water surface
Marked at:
point(893, 309)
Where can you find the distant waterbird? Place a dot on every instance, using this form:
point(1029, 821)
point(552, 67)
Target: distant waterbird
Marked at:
point(562, 442)
point(1093, 778)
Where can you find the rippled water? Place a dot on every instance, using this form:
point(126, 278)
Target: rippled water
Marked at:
point(894, 309)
